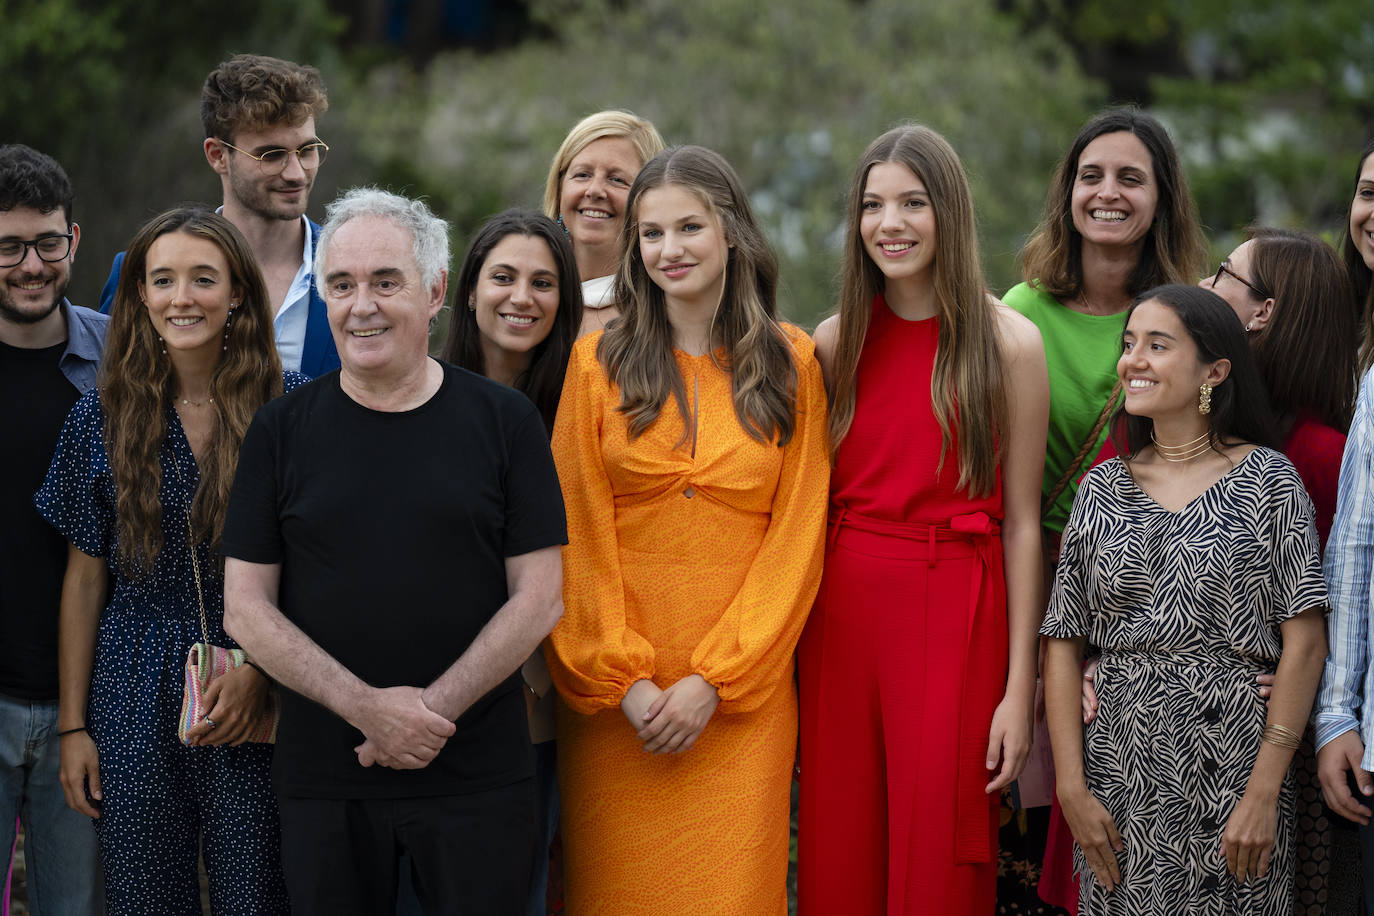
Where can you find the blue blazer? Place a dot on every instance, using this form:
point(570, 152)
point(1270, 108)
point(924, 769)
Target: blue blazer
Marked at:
point(318, 355)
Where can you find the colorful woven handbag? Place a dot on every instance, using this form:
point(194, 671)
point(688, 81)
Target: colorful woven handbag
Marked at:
point(207, 661)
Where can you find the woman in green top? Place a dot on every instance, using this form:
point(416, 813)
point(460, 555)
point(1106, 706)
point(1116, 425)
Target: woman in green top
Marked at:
point(1118, 220)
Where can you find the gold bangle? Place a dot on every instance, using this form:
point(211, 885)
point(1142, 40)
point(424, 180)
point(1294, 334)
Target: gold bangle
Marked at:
point(1286, 732)
point(1282, 737)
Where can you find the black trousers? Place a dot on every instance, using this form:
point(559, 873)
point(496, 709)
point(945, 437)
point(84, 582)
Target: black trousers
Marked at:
point(470, 855)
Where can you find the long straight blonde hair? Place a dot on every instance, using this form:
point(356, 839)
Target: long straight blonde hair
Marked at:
point(966, 385)
point(637, 347)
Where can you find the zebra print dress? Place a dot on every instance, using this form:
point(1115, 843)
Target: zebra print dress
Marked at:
point(1185, 607)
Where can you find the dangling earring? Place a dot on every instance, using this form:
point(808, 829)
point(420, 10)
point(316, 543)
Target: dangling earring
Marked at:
point(563, 226)
point(163, 344)
point(228, 323)
point(1204, 400)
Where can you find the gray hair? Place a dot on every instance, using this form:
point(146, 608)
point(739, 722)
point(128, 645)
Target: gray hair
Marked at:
point(430, 233)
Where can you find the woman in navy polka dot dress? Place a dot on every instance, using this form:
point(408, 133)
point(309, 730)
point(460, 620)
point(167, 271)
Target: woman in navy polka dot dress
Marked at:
point(190, 357)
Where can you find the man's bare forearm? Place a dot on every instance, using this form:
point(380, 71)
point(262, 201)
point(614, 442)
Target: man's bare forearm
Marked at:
point(253, 619)
point(503, 645)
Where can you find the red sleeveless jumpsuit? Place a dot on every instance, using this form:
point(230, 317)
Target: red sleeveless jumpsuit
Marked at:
point(903, 660)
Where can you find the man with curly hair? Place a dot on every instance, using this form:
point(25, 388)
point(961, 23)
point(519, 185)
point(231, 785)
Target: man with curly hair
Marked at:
point(259, 118)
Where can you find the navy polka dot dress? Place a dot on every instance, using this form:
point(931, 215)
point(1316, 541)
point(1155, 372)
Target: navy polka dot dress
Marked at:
point(161, 798)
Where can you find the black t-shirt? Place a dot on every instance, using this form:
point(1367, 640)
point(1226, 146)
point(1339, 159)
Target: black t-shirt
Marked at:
point(392, 531)
point(33, 556)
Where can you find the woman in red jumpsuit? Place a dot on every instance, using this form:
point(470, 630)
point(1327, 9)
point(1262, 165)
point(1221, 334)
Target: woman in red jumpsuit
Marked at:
point(918, 661)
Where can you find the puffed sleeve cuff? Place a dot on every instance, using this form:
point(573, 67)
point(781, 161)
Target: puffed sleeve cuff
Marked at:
point(588, 693)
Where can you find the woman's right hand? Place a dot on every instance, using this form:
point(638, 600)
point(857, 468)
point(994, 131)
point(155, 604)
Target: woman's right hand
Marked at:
point(79, 762)
point(637, 701)
point(1095, 832)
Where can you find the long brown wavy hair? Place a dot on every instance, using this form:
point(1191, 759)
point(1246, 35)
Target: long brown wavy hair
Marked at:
point(637, 348)
point(137, 385)
point(1173, 251)
point(966, 384)
point(1307, 352)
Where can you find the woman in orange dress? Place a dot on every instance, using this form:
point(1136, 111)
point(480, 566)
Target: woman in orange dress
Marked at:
point(690, 444)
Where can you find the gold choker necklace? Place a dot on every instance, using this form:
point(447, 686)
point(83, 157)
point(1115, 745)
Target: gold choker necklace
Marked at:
point(1185, 452)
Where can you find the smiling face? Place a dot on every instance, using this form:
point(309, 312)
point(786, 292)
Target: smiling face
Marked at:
point(516, 298)
point(897, 222)
point(188, 290)
point(683, 246)
point(1230, 284)
point(31, 290)
point(1362, 213)
point(1114, 193)
point(270, 193)
point(1159, 367)
point(379, 308)
point(595, 186)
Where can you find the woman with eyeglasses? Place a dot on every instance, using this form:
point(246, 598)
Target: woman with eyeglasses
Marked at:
point(1118, 220)
point(138, 486)
point(1294, 298)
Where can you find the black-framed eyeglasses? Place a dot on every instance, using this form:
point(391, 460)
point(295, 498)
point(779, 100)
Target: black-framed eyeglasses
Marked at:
point(311, 156)
point(1223, 269)
point(49, 248)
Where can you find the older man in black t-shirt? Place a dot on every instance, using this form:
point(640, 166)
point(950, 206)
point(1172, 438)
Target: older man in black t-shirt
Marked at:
point(393, 557)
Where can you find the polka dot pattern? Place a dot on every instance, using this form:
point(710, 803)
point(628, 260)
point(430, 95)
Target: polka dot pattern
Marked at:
point(162, 800)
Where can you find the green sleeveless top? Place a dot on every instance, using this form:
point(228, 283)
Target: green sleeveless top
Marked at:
point(1081, 352)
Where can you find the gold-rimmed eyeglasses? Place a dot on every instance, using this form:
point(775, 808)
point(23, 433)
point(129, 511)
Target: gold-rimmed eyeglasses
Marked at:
point(311, 155)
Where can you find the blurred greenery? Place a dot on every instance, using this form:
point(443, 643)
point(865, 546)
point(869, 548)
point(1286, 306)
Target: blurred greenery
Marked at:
point(1269, 103)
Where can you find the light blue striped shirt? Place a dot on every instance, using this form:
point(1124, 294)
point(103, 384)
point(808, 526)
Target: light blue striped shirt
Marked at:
point(1348, 677)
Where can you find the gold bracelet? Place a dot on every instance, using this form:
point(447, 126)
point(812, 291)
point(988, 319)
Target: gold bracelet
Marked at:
point(1283, 737)
point(1287, 733)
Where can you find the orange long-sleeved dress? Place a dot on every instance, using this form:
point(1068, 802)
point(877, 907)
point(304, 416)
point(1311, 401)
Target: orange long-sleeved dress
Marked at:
point(686, 554)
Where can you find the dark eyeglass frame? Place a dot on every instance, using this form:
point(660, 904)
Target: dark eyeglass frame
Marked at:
point(26, 244)
point(271, 166)
point(1223, 269)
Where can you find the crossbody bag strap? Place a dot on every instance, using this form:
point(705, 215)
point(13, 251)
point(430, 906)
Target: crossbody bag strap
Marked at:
point(1076, 465)
point(190, 546)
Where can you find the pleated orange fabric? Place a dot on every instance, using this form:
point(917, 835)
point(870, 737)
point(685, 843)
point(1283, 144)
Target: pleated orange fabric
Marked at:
point(688, 552)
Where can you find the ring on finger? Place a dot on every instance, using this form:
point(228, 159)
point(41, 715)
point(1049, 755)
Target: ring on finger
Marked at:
point(209, 721)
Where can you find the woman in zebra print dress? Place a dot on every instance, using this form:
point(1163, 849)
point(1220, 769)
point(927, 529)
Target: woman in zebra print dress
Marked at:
point(1192, 564)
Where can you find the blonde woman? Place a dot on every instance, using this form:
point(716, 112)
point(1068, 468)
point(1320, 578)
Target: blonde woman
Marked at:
point(589, 181)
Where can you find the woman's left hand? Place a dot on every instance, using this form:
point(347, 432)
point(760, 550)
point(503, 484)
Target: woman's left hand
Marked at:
point(1248, 839)
point(236, 701)
point(677, 717)
point(1010, 740)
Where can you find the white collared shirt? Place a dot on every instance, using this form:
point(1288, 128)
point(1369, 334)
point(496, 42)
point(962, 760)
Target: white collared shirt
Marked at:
point(292, 314)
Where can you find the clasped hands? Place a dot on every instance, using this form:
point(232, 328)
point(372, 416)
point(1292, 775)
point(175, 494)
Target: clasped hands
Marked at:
point(670, 721)
point(401, 732)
